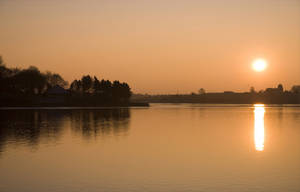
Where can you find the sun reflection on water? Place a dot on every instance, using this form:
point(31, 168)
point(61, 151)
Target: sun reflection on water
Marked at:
point(259, 128)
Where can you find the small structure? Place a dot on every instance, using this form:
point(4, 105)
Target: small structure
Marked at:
point(57, 91)
point(55, 96)
point(277, 90)
point(228, 92)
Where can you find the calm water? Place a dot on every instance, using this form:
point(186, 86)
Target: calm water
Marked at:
point(162, 148)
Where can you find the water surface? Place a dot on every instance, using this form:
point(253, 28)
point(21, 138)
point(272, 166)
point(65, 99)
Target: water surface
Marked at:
point(183, 147)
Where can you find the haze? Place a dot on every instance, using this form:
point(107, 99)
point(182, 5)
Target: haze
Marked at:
point(156, 46)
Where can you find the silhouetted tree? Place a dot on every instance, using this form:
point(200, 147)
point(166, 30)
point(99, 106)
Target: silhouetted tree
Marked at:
point(4, 71)
point(54, 79)
point(106, 85)
point(76, 86)
point(201, 91)
point(116, 89)
point(1, 61)
point(29, 81)
point(3, 74)
point(120, 91)
point(106, 90)
point(6, 77)
point(280, 88)
point(252, 90)
point(126, 93)
point(87, 83)
point(97, 86)
point(295, 89)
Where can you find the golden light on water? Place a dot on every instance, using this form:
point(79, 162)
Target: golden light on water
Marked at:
point(259, 127)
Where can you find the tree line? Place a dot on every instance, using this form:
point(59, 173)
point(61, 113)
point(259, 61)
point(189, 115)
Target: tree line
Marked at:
point(104, 89)
point(278, 90)
point(32, 82)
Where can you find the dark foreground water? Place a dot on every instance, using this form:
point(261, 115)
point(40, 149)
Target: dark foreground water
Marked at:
point(164, 148)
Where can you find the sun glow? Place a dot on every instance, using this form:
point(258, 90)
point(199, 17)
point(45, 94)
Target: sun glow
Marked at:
point(259, 127)
point(259, 65)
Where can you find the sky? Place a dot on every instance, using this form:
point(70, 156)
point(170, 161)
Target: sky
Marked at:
point(157, 46)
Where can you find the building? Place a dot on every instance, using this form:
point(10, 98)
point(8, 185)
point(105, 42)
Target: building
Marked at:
point(55, 96)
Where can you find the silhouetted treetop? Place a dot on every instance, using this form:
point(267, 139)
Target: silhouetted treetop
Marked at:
point(201, 91)
point(104, 90)
point(252, 90)
point(280, 87)
point(54, 79)
point(295, 89)
point(28, 81)
point(87, 83)
point(1, 60)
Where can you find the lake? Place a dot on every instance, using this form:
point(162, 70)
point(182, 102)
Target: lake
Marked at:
point(166, 147)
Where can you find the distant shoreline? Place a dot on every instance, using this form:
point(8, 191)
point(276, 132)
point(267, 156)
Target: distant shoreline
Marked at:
point(271, 97)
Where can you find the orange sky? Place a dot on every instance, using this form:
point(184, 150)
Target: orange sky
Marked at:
point(165, 46)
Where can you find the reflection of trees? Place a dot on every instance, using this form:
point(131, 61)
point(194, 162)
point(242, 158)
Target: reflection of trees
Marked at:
point(100, 122)
point(30, 126)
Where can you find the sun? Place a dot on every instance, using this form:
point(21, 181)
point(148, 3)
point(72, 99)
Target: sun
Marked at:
point(259, 65)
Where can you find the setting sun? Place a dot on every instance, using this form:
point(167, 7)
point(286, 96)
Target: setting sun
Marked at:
point(259, 65)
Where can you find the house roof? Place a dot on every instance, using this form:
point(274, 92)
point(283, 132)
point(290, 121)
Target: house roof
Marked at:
point(56, 90)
